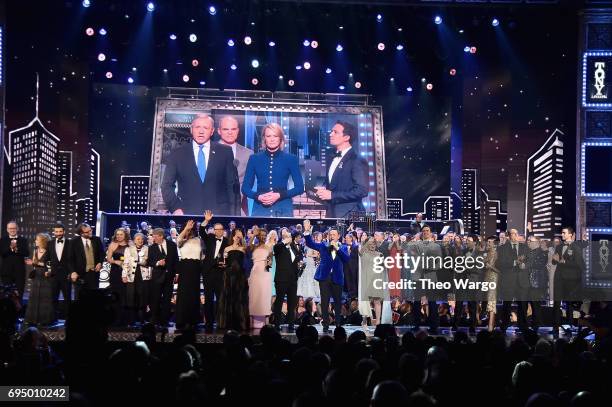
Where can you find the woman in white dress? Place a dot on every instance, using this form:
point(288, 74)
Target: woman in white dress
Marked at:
point(308, 287)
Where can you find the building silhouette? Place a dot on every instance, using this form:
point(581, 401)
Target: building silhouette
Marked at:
point(437, 208)
point(133, 193)
point(470, 205)
point(492, 219)
point(66, 199)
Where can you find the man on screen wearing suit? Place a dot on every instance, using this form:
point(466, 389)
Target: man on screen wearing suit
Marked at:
point(346, 183)
point(203, 173)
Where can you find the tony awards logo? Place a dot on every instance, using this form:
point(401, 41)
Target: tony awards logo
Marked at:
point(600, 76)
point(604, 253)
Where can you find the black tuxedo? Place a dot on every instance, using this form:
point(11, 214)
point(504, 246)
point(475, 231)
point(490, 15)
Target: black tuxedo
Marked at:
point(60, 268)
point(78, 262)
point(217, 192)
point(162, 281)
point(212, 274)
point(568, 278)
point(285, 280)
point(349, 185)
point(13, 270)
point(513, 281)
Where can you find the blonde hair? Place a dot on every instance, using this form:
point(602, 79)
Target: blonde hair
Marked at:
point(278, 131)
point(127, 237)
point(270, 234)
point(44, 238)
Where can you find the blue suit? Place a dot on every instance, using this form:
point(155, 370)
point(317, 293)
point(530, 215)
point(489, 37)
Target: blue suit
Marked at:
point(328, 265)
point(272, 171)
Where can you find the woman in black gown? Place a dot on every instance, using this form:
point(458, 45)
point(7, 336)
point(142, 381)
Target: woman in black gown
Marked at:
point(234, 301)
point(115, 256)
point(40, 303)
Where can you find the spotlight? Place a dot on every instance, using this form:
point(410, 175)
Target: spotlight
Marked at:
point(423, 80)
point(495, 22)
point(358, 85)
point(165, 70)
point(429, 86)
point(134, 69)
point(254, 81)
point(381, 46)
point(109, 75)
point(255, 63)
point(453, 72)
point(272, 44)
point(298, 67)
point(438, 20)
point(248, 40)
point(150, 6)
point(306, 65)
point(379, 17)
point(193, 37)
point(306, 43)
point(409, 89)
point(466, 49)
point(130, 80)
point(86, 3)
point(233, 67)
point(392, 79)
point(350, 74)
point(314, 44)
point(101, 57)
point(291, 82)
point(341, 87)
point(212, 10)
point(211, 69)
point(102, 31)
point(472, 50)
point(339, 47)
point(280, 77)
point(185, 78)
point(202, 83)
point(328, 71)
point(195, 62)
point(399, 47)
point(230, 43)
point(89, 31)
point(173, 37)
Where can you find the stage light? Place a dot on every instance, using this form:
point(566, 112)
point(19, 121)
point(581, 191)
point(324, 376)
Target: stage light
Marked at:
point(102, 31)
point(202, 83)
point(230, 43)
point(358, 85)
point(399, 47)
point(379, 17)
point(306, 43)
point(130, 80)
point(429, 86)
point(460, 31)
point(255, 63)
point(212, 10)
point(339, 47)
point(90, 31)
point(101, 57)
point(291, 82)
point(495, 22)
point(109, 75)
point(298, 67)
point(86, 3)
point(328, 70)
point(272, 44)
point(185, 78)
point(423, 80)
point(409, 88)
point(150, 6)
point(173, 37)
point(195, 62)
point(472, 50)
point(254, 81)
point(134, 69)
point(350, 74)
point(392, 79)
point(466, 49)
point(306, 65)
point(233, 67)
point(381, 46)
point(193, 37)
point(314, 44)
point(341, 87)
point(211, 69)
point(248, 40)
point(280, 77)
point(438, 20)
point(453, 72)
point(165, 70)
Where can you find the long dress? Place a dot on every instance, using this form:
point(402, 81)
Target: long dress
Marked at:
point(260, 284)
point(491, 276)
point(367, 281)
point(234, 300)
point(351, 269)
point(308, 287)
point(116, 285)
point(40, 304)
point(188, 291)
point(394, 272)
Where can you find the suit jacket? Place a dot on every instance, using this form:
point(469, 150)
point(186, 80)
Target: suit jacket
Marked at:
point(78, 262)
point(13, 261)
point(329, 266)
point(154, 254)
point(241, 158)
point(217, 192)
point(60, 267)
point(210, 243)
point(349, 185)
point(505, 264)
point(573, 265)
point(286, 270)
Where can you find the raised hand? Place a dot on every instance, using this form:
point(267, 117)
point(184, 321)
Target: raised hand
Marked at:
point(208, 215)
point(189, 225)
point(307, 225)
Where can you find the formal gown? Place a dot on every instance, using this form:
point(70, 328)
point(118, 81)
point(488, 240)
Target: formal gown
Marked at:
point(367, 277)
point(234, 301)
point(260, 285)
point(117, 287)
point(308, 287)
point(40, 308)
point(188, 291)
point(395, 274)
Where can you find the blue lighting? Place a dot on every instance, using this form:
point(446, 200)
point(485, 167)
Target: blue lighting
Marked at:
point(409, 88)
point(399, 47)
point(272, 44)
point(230, 43)
point(438, 20)
point(233, 67)
point(298, 67)
point(328, 71)
point(466, 49)
point(341, 87)
point(255, 63)
point(193, 37)
point(202, 83)
point(150, 6)
point(306, 43)
point(212, 10)
point(86, 3)
point(584, 78)
point(495, 22)
point(102, 31)
point(379, 17)
point(173, 37)
point(339, 47)
point(130, 80)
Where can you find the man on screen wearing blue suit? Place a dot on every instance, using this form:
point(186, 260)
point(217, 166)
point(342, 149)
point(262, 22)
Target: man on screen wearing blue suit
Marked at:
point(346, 183)
point(330, 273)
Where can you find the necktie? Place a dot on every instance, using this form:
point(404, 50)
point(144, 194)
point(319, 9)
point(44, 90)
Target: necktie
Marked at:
point(87, 244)
point(161, 249)
point(202, 163)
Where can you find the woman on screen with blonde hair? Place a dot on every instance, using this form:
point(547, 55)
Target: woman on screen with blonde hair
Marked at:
point(271, 167)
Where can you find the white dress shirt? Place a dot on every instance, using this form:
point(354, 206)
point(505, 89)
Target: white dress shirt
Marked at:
point(335, 162)
point(196, 151)
point(59, 248)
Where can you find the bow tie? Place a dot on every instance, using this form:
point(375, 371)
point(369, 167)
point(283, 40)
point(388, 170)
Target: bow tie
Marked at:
point(60, 241)
point(566, 244)
point(338, 154)
point(219, 240)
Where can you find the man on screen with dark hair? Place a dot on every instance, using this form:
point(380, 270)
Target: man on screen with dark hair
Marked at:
point(346, 183)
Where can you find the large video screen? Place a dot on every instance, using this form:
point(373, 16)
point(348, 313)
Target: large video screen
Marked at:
point(185, 180)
